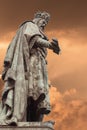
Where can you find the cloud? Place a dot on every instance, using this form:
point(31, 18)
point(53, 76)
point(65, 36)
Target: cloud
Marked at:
point(68, 115)
point(67, 73)
point(3, 48)
point(6, 39)
point(69, 69)
point(74, 36)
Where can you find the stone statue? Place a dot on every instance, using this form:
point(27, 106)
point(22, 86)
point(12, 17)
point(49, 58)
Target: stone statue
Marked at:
point(25, 95)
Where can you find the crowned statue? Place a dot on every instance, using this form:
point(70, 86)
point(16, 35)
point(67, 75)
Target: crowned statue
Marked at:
point(25, 96)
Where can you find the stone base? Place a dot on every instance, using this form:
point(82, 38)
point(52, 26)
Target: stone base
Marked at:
point(30, 126)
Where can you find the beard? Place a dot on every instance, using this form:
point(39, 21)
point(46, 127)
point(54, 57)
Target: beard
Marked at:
point(42, 28)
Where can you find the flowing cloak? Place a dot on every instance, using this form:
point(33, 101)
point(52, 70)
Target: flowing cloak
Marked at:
point(25, 73)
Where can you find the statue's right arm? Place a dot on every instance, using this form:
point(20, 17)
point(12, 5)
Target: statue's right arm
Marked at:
point(40, 42)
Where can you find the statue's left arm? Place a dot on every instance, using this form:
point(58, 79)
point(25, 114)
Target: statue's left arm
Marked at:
point(42, 42)
point(39, 41)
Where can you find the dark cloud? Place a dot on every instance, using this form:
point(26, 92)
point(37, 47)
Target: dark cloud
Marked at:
point(69, 13)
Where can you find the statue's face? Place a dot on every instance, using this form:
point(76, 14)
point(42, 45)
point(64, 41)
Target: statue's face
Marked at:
point(42, 23)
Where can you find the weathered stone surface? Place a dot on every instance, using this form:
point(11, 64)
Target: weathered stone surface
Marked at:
point(30, 126)
point(25, 95)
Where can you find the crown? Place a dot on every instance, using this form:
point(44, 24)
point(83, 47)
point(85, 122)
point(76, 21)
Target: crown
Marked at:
point(43, 15)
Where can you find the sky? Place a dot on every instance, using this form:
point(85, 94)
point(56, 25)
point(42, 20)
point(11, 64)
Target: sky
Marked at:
point(68, 71)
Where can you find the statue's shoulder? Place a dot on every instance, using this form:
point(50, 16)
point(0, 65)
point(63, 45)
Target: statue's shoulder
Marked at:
point(29, 22)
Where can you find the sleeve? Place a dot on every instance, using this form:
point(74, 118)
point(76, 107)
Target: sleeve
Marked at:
point(31, 30)
point(40, 42)
point(34, 36)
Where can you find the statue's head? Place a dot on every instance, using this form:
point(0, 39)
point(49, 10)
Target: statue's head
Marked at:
point(41, 19)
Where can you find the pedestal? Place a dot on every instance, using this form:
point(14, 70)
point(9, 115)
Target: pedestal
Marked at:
point(30, 126)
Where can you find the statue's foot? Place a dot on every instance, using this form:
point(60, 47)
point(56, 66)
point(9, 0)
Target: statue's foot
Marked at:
point(2, 122)
point(2, 119)
point(12, 121)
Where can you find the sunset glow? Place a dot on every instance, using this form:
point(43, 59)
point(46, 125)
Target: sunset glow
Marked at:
point(67, 71)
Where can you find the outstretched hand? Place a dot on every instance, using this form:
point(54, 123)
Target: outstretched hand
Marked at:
point(55, 46)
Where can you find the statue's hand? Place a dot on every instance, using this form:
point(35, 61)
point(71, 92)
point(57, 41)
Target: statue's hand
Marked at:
point(55, 46)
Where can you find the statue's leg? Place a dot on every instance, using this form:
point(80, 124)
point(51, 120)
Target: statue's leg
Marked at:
point(32, 114)
point(31, 110)
point(40, 117)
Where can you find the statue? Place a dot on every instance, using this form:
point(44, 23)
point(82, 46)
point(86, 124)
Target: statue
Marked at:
point(25, 95)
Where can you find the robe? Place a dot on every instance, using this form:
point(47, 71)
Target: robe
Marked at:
point(25, 74)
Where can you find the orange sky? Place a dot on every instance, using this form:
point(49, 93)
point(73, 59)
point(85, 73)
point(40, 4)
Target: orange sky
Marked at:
point(69, 68)
point(68, 71)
